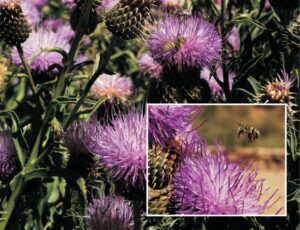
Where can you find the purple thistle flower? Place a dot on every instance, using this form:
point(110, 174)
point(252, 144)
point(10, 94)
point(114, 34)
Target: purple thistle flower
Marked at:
point(31, 12)
point(122, 149)
point(39, 39)
point(267, 5)
point(186, 41)
point(8, 156)
point(112, 213)
point(149, 66)
point(170, 121)
point(234, 39)
point(216, 89)
point(78, 137)
point(212, 184)
point(112, 87)
point(107, 5)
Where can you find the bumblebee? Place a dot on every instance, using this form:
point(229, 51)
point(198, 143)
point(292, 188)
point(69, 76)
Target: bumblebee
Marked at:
point(251, 132)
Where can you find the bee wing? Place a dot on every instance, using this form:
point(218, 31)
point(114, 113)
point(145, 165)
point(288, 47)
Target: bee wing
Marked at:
point(240, 131)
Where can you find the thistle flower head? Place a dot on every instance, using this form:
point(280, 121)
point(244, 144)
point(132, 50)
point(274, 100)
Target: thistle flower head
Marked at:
point(185, 41)
point(39, 3)
point(127, 19)
point(279, 90)
point(8, 155)
point(15, 27)
point(212, 184)
point(214, 86)
point(113, 87)
point(109, 212)
point(168, 122)
point(69, 3)
point(149, 66)
point(43, 38)
point(122, 149)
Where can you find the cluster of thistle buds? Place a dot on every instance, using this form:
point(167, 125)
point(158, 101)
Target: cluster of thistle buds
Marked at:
point(276, 93)
point(14, 27)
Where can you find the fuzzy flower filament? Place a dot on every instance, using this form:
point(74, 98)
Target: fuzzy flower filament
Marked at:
point(113, 213)
point(121, 147)
point(185, 42)
point(212, 184)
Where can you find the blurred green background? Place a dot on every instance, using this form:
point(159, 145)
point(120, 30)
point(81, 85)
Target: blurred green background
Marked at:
point(222, 125)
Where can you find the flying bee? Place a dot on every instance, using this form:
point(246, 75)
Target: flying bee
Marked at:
point(251, 132)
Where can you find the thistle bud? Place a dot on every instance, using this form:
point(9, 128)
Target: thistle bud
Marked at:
point(14, 27)
point(128, 18)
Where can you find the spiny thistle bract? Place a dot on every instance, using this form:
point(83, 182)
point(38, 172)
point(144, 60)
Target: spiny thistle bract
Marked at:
point(190, 42)
point(8, 155)
point(128, 18)
point(161, 165)
point(212, 184)
point(110, 213)
point(14, 27)
point(122, 149)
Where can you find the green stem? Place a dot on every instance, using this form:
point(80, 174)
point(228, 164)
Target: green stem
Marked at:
point(103, 62)
point(27, 69)
point(59, 90)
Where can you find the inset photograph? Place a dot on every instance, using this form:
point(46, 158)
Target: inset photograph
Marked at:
point(216, 160)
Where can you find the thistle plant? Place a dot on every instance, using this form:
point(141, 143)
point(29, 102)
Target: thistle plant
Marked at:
point(73, 142)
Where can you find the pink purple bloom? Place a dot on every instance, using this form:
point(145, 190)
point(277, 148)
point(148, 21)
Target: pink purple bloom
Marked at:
point(166, 122)
point(113, 213)
point(39, 39)
point(212, 184)
point(234, 39)
point(216, 89)
point(267, 5)
point(8, 155)
point(185, 42)
point(149, 66)
point(112, 87)
point(121, 147)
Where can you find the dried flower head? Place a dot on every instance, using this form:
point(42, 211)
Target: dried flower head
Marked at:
point(122, 149)
point(113, 87)
point(214, 86)
point(279, 90)
point(212, 184)
point(113, 213)
point(170, 121)
point(128, 18)
point(171, 4)
point(14, 27)
point(8, 155)
point(185, 42)
point(149, 66)
point(43, 38)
